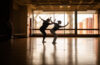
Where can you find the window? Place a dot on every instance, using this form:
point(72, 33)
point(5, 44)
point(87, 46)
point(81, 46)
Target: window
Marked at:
point(64, 16)
point(87, 22)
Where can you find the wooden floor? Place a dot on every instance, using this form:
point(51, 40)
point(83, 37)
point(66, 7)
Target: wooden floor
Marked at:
point(66, 51)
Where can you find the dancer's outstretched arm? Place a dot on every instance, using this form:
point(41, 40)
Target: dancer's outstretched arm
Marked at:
point(41, 18)
point(65, 25)
point(50, 18)
point(52, 21)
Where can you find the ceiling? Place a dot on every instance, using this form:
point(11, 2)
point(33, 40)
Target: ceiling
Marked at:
point(61, 4)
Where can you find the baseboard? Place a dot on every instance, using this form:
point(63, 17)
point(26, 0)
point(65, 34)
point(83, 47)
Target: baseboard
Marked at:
point(19, 36)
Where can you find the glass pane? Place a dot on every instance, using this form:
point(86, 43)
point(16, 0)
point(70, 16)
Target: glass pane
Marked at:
point(70, 17)
point(87, 31)
point(57, 32)
point(48, 32)
point(44, 15)
point(64, 16)
point(69, 31)
point(60, 32)
point(87, 20)
point(36, 32)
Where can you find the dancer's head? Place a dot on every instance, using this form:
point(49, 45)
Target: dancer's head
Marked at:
point(48, 20)
point(59, 22)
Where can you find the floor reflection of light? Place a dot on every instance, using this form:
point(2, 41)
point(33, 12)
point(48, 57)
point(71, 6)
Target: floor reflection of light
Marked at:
point(86, 54)
point(67, 51)
point(48, 53)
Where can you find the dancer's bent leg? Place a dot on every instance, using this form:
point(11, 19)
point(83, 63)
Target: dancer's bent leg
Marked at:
point(54, 34)
point(55, 37)
point(44, 35)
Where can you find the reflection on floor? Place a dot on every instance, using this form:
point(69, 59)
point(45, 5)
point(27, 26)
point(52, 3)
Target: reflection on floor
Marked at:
point(67, 51)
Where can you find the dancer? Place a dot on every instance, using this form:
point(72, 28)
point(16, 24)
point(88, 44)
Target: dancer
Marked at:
point(44, 26)
point(55, 28)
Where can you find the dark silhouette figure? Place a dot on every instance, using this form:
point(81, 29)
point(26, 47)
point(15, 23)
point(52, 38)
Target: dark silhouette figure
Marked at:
point(55, 28)
point(44, 26)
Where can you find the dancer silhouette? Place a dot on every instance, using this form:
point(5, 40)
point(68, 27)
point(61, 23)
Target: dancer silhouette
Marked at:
point(44, 26)
point(55, 28)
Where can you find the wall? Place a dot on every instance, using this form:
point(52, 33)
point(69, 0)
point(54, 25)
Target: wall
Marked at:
point(29, 19)
point(19, 21)
point(5, 24)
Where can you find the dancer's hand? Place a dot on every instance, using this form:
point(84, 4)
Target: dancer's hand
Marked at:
point(41, 18)
point(65, 25)
point(50, 17)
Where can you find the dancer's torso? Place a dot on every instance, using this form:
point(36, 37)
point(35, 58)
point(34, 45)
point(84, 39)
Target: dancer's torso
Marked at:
point(44, 25)
point(56, 27)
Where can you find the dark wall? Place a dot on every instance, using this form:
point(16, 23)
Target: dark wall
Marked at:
point(20, 21)
point(5, 23)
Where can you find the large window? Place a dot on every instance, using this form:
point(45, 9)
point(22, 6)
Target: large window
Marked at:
point(87, 22)
point(64, 16)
